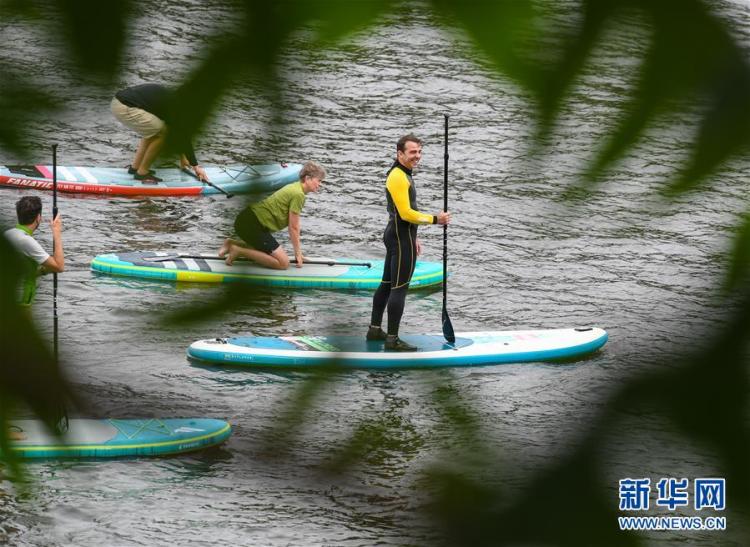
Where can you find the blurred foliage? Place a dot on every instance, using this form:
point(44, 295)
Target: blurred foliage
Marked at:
point(266, 28)
point(95, 33)
point(28, 372)
point(691, 57)
point(21, 102)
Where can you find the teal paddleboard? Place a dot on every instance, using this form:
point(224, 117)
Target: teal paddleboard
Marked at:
point(319, 273)
point(470, 349)
point(110, 438)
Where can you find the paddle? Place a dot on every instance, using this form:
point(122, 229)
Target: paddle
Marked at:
point(448, 333)
point(211, 184)
point(62, 412)
point(54, 275)
point(210, 257)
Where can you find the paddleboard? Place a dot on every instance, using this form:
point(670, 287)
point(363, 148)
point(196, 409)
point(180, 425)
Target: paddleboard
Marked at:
point(115, 181)
point(321, 273)
point(89, 438)
point(470, 349)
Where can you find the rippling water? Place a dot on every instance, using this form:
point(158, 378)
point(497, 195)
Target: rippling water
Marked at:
point(520, 257)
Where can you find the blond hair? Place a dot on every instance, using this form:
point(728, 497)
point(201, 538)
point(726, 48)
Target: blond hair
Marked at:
point(312, 169)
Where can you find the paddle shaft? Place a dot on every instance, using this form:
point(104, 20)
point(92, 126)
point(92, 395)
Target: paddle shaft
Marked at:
point(61, 420)
point(54, 275)
point(448, 332)
point(211, 184)
point(445, 209)
point(209, 257)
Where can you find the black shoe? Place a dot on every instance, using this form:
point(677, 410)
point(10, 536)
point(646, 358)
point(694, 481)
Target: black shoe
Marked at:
point(147, 179)
point(133, 171)
point(375, 333)
point(394, 343)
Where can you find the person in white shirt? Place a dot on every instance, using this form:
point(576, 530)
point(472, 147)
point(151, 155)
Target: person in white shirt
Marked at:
point(29, 212)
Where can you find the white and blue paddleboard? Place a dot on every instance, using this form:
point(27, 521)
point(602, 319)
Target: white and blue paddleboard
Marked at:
point(91, 438)
point(470, 349)
point(115, 181)
point(318, 273)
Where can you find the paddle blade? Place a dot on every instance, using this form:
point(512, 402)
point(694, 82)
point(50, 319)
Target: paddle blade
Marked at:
point(448, 333)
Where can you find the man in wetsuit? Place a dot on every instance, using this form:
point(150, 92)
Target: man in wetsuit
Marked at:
point(29, 212)
point(258, 221)
point(146, 109)
point(401, 243)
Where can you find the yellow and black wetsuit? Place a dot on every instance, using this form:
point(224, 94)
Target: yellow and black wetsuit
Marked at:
point(400, 240)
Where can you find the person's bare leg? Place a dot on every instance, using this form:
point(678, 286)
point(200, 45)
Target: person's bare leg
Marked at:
point(224, 249)
point(16, 434)
point(278, 260)
point(153, 147)
point(138, 158)
point(281, 257)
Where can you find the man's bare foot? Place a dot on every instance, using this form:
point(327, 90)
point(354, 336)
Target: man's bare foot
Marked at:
point(15, 433)
point(231, 254)
point(225, 248)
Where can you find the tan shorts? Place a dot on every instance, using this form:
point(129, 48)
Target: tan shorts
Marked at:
point(144, 123)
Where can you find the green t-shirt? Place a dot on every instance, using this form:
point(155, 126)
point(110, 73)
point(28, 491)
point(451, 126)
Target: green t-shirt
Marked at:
point(273, 212)
point(22, 239)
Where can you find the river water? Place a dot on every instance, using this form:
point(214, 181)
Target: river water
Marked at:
point(624, 259)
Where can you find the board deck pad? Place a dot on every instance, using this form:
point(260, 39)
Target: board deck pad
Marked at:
point(470, 349)
point(345, 344)
point(169, 266)
point(108, 438)
point(116, 181)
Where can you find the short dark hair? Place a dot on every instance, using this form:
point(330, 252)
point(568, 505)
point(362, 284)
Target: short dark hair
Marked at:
point(411, 137)
point(27, 209)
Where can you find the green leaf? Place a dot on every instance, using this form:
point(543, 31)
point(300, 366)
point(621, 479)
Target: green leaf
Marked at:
point(739, 264)
point(29, 375)
point(21, 103)
point(565, 505)
point(724, 131)
point(691, 56)
point(95, 31)
point(254, 49)
point(335, 19)
point(504, 30)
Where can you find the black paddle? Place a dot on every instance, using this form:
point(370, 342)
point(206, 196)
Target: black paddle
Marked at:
point(211, 184)
point(210, 257)
point(54, 275)
point(62, 412)
point(448, 333)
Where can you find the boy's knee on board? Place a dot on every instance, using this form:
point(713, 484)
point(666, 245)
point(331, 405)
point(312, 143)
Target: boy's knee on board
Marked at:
point(283, 262)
